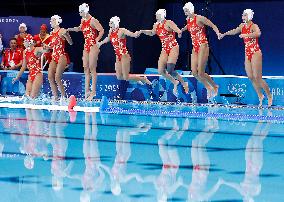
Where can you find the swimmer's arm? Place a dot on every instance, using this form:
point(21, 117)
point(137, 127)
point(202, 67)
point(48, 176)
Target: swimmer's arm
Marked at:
point(126, 32)
point(233, 31)
point(74, 29)
point(67, 36)
point(96, 24)
point(184, 28)
point(173, 26)
point(106, 40)
point(255, 32)
point(208, 22)
point(149, 32)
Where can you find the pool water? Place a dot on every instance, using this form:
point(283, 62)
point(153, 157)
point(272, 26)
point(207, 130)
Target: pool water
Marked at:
point(109, 157)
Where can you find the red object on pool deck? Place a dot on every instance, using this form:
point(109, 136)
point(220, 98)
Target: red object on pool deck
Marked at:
point(72, 103)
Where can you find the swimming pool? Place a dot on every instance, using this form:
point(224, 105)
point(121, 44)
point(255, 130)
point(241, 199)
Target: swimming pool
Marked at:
point(122, 157)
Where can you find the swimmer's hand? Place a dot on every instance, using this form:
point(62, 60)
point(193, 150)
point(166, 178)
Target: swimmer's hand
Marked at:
point(137, 34)
point(243, 36)
point(99, 44)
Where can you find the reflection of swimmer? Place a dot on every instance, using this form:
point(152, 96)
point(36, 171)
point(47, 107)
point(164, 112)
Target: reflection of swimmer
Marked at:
point(59, 169)
point(93, 176)
point(118, 172)
point(201, 164)
point(167, 182)
point(34, 145)
point(251, 187)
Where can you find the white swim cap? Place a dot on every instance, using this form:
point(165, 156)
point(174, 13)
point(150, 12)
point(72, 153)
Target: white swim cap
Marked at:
point(250, 13)
point(116, 21)
point(189, 6)
point(162, 12)
point(57, 18)
point(84, 8)
point(23, 25)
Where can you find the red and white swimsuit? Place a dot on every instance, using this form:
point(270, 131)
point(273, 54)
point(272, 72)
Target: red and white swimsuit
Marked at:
point(167, 38)
point(251, 44)
point(58, 47)
point(90, 34)
point(119, 45)
point(198, 34)
point(33, 64)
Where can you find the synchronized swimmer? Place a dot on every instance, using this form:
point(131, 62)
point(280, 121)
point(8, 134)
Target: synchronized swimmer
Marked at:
point(165, 29)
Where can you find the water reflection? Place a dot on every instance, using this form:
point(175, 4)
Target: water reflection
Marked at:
point(47, 145)
point(167, 182)
point(250, 187)
point(197, 189)
point(118, 173)
point(59, 168)
point(93, 177)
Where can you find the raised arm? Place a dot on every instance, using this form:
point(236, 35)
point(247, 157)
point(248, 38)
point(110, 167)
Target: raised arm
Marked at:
point(96, 24)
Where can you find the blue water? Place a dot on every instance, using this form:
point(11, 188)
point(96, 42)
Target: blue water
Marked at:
point(109, 157)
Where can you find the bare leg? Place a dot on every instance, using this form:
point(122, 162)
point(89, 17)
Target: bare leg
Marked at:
point(172, 58)
point(93, 61)
point(256, 63)
point(59, 72)
point(28, 87)
point(125, 63)
point(195, 73)
point(51, 79)
point(162, 70)
point(249, 71)
point(202, 61)
point(118, 70)
point(85, 59)
point(36, 85)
